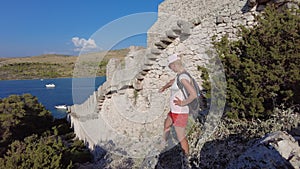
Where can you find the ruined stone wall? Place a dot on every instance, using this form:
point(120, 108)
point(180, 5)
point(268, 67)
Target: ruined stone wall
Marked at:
point(170, 11)
point(204, 20)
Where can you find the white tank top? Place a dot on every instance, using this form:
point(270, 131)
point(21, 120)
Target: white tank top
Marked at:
point(176, 92)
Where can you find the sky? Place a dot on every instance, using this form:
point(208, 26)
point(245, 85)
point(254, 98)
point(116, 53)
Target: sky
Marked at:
point(37, 27)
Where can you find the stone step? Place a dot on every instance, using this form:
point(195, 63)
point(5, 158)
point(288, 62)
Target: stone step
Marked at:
point(176, 29)
point(185, 27)
point(108, 96)
point(160, 45)
point(146, 68)
point(137, 85)
point(144, 72)
point(166, 40)
point(101, 97)
point(196, 21)
point(171, 34)
point(149, 62)
point(155, 51)
point(151, 57)
point(183, 23)
point(121, 92)
point(140, 76)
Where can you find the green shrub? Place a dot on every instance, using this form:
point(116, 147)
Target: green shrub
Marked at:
point(102, 67)
point(34, 152)
point(24, 119)
point(21, 116)
point(205, 80)
point(263, 67)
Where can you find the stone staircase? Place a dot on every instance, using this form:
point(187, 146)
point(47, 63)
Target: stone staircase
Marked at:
point(150, 57)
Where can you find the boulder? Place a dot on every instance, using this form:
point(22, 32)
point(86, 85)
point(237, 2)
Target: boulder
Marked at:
point(275, 150)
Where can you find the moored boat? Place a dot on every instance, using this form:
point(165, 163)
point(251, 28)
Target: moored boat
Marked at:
point(61, 107)
point(51, 85)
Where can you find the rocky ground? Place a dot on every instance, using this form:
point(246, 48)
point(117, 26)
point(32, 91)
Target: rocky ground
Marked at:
point(235, 144)
point(231, 153)
point(233, 138)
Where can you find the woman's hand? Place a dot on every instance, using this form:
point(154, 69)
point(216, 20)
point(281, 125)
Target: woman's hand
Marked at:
point(169, 84)
point(161, 89)
point(178, 102)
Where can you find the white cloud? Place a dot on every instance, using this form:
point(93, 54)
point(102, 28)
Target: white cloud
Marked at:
point(82, 44)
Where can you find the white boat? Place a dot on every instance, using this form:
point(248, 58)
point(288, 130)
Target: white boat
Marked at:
point(51, 85)
point(61, 107)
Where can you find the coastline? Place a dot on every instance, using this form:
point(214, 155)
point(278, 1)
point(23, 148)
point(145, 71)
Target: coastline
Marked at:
point(55, 65)
point(53, 78)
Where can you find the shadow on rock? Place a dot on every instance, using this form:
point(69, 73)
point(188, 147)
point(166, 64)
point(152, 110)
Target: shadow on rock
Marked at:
point(274, 151)
point(172, 159)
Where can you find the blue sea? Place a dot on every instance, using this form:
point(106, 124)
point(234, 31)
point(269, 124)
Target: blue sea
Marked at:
point(67, 91)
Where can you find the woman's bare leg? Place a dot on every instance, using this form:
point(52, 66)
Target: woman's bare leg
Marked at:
point(180, 132)
point(167, 125)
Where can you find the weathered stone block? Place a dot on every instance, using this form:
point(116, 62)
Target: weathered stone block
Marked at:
point(166, 40)
point(151, 56)
point(185, 27)
point(140, 76)
point(176, 29)
point(155, 51)
point(149, 62)
point(160, 45)
point(196, 21)
point(171, 34)
point(219, 20)
point(227, 19)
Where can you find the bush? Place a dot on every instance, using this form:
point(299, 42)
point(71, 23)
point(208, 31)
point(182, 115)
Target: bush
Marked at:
point(263, 67)
point(34, 152)
point(25, 120)
point(21, 116)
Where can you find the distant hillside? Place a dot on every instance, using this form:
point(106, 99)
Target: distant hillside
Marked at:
point(53, 65)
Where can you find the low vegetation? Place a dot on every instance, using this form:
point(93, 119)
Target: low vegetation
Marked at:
point(263, 67)
point(31, 138)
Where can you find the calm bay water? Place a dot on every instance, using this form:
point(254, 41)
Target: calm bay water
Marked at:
point(67, 91)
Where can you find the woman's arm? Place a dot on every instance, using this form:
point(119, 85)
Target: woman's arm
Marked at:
point(169, 84)
point(190, 89)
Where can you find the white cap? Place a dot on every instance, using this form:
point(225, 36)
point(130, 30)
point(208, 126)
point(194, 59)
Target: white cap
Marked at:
point(172, 58)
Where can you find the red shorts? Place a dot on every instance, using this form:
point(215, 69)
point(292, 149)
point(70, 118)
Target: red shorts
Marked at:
point(179, 120)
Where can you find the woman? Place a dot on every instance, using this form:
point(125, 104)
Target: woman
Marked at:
point(178, 115)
